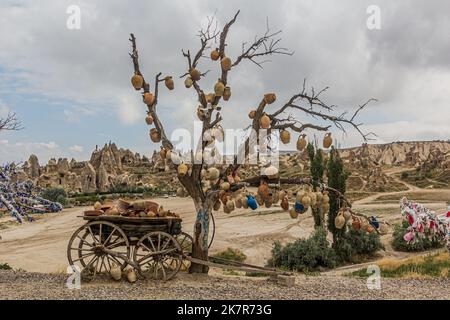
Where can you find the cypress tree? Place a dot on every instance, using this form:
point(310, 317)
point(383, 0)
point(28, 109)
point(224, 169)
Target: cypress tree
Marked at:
point(337, 177)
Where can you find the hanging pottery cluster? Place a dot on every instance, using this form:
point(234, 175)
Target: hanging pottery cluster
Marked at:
point(306, 198)
point(424, 223)
point(228, 199)
point(149, 99)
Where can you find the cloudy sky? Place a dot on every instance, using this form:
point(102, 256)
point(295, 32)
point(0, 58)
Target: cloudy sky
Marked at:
point(71, 88)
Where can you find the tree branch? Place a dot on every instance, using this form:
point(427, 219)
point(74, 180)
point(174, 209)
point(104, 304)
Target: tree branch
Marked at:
point(10, 123)
point(146, 86)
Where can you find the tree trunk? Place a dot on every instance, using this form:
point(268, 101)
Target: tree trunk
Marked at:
point(201, 233)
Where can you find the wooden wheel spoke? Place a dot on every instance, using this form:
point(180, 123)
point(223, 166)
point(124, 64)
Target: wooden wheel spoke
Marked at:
point(151, 243)
point(84, 241)
point(92, 235)
point(163, 271)
point(84, 256)
point(110, 235)
point(116, 245)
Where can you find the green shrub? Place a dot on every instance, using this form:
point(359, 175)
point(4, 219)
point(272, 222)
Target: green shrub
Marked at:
point(231, 254)
point(305, 254)
point(354, 245)
point(62, 200)
point(53, 194)
point(5, 266)
point(423, 243)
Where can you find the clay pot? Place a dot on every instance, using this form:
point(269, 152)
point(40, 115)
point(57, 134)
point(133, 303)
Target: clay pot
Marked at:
point(270, 98)
point(137, 81)
point(347, 215)
point(285, 203)
point(306, 201)
point(195, 74)
point(285, 136)
point(97, 206)
point(149, 98)
point(225, 186)
point(252, 114)
point(131, 276)
point(302, 143)
point(259, 199)
point(293, 213)
point(116, 272)
point(264, 122)
point(149, 119)
point(238, 202)
point(225, 63)
point(215, 55)
point(230, 205)
point(327, 140)
point(263, 191)
point(154, 135)
point(188, 82)
point(182, 169)
point(339, 221)
point(226, 93)
point(168, 81)
point(212, 173)
point(356, 224)
point(219, 88)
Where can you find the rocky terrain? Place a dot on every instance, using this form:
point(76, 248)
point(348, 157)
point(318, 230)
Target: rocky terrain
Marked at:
point(108, 168)
point(111, 167)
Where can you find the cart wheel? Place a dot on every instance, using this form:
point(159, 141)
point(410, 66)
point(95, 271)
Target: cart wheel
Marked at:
point(158, 255)
point(96, 246)
point(185, 240)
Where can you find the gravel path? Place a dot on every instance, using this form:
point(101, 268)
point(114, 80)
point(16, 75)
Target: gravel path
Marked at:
point(27, 285)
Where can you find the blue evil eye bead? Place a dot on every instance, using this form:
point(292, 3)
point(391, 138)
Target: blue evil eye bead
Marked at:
point(251, 202)
point(374, 222)
point(298, 207)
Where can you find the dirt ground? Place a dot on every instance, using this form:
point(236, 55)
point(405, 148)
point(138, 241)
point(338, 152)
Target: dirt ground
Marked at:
point(41, 246)
point(40, 249)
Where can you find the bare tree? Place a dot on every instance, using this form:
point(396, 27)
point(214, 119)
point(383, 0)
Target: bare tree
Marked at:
point(308, 103)
point(10, 122)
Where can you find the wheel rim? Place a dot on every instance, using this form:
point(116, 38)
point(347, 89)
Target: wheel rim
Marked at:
point(158, 256)
point(95, 247)
point(185, 241)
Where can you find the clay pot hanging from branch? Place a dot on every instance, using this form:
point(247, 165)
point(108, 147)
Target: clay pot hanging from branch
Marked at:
point(215, 54)
point(168, 81)
point(188, 82)
point(195, 74)
point(270, 98)
point(226, 64)
point(327, 140)
point(148, 98)
point(301, 142)
point(137, 81)
point(155, 135)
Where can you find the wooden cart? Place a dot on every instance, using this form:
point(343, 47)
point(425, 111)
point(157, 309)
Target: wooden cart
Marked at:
point(155, 247)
